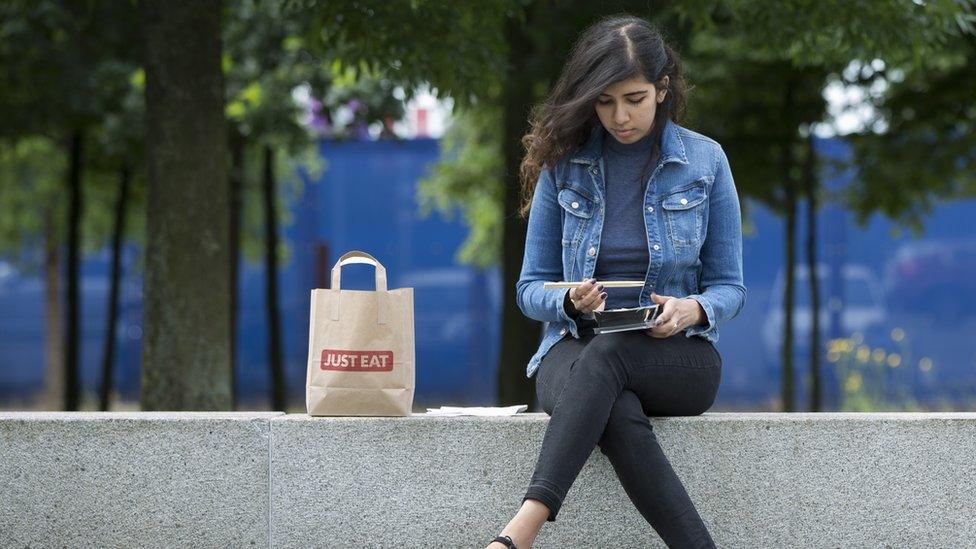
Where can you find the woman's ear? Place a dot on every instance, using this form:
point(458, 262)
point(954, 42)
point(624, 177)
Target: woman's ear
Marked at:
point(663, 89)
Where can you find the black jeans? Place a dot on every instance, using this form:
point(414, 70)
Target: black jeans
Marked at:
point(599, 390)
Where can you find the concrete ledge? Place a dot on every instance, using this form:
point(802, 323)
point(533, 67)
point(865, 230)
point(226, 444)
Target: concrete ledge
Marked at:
point(253, 479)
point(759, 480)
point(134, 479)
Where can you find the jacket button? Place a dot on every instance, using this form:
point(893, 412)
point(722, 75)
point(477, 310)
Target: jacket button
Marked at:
point(650, 208)
point(575, 205)
point(562, 332)
point(656, 247)
point(591, 251)
point(684, 200)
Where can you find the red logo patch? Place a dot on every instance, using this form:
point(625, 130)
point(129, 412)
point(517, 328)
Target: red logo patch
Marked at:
point(357, 361)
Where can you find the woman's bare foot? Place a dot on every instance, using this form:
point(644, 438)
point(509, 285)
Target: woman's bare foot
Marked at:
point(525, 525)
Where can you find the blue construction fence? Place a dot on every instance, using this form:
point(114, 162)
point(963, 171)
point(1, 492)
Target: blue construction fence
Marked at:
point(907, 302)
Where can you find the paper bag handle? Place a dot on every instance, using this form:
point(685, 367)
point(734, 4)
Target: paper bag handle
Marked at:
point(356, 256)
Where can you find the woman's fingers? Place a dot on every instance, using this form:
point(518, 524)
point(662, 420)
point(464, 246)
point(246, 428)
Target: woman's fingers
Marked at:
point(577, 293)
point(593, 297)
point(588, 296)
point(664, 330)
point(663, 319)
point(658, 331)
point(664, 323)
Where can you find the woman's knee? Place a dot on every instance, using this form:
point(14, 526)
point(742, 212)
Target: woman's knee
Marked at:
point(627, 420)
point(603, 357)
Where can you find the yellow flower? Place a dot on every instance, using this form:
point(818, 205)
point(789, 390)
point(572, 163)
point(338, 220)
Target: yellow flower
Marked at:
point(878, 355)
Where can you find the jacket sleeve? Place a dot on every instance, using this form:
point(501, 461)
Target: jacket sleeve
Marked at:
point(723, 293)
point(542, 259)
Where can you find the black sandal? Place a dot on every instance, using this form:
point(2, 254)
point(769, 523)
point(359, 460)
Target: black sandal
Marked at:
point(505, 540)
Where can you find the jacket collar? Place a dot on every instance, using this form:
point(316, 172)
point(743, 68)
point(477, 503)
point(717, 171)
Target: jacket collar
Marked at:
point(672, 147)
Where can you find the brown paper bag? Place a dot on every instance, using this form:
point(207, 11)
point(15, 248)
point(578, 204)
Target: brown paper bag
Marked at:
point(360, 348)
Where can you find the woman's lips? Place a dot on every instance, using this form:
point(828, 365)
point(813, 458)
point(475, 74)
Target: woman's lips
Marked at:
point(623, 133)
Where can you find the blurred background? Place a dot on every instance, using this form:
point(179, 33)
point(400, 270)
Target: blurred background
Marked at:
point(150, 148)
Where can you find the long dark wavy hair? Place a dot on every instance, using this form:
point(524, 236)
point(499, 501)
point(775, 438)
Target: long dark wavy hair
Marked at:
point(615, 48)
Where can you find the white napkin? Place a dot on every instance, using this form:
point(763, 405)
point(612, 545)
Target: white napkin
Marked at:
point(476, 411)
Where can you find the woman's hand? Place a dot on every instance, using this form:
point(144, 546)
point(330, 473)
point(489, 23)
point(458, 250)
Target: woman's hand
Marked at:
point(675, 315)
point(588, 297)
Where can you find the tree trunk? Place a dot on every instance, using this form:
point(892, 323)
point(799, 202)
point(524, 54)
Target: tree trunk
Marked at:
point(789, 212)
point(186, 344)
point(108, 354)
point(271, 285)
point(73, 324)
point(811, 184)
point(787, 351)
point(54, 369)
point(520, 334)
point(236, 181)
point(787, 354)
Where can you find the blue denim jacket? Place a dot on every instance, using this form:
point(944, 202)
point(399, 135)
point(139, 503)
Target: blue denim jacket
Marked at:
point(694, 233)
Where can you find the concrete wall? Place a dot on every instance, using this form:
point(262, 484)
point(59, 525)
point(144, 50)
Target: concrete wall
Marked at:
point(134, 479)
point(202, 479)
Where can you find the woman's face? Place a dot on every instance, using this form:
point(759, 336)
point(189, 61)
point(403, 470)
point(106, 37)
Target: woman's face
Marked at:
point(626, 108)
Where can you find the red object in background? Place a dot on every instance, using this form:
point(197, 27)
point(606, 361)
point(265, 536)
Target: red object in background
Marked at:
point(421, 123)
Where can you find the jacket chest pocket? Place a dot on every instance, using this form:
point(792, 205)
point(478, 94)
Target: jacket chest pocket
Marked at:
point(577, 211)
point(685, 211)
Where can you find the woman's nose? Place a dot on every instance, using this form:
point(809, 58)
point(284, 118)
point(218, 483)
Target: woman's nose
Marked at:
point(620, 115)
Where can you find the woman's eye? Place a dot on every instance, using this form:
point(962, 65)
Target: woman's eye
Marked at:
point(631, 101)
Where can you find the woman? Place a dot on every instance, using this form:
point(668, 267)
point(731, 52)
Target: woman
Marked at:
point(614, 188)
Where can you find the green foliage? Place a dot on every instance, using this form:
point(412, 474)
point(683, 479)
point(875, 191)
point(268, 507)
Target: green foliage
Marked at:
point(742, 76)
point(68, 66)
point(117, 142)
point(30, 190)
point(826, 32)
point(920, 147)
point(469, 178)
point(65, 63)
point(351, 54)
point(455, 46)
point(757, 107)
point(264, 62)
